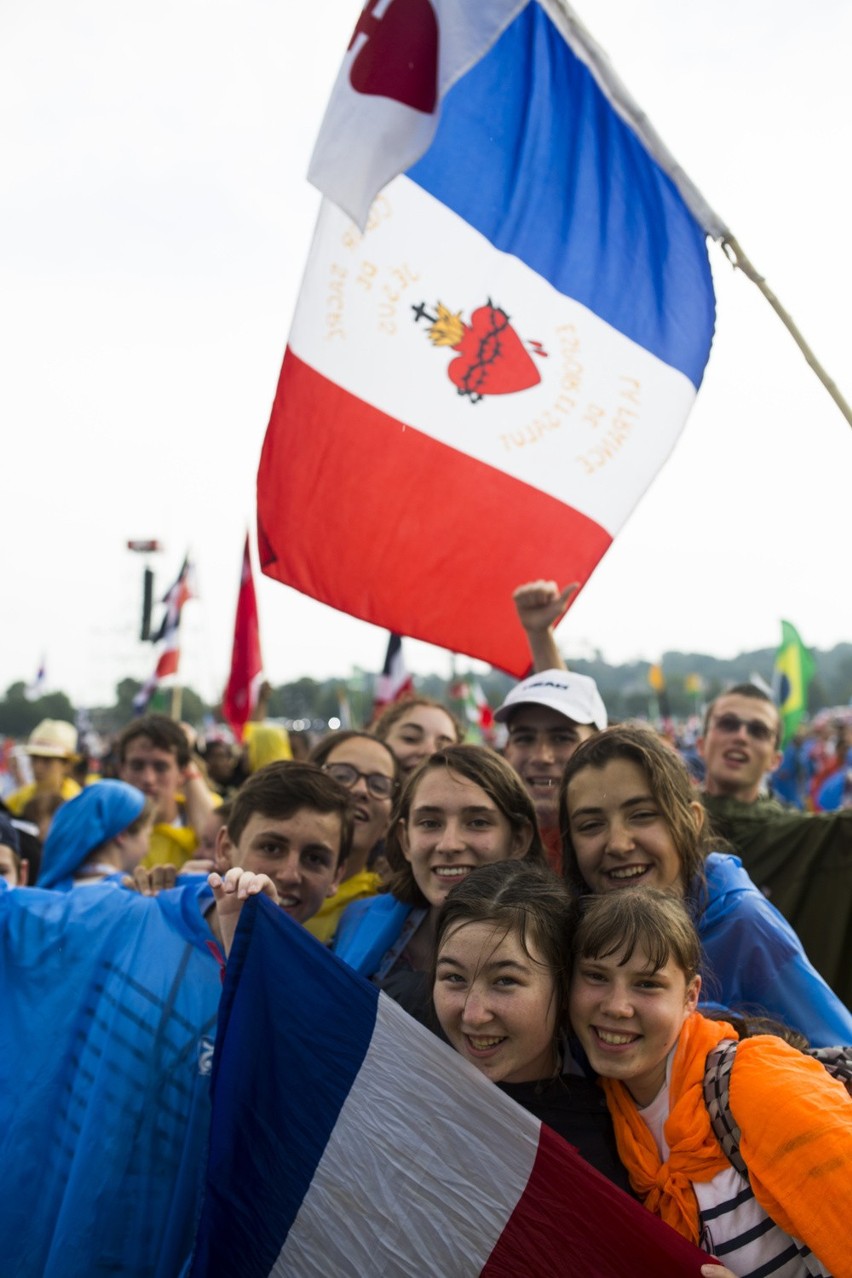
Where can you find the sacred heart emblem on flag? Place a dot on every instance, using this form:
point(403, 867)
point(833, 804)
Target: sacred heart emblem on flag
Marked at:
point(399, 57)
point(492, 359)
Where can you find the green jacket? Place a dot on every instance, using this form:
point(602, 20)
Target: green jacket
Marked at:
point(803, 863)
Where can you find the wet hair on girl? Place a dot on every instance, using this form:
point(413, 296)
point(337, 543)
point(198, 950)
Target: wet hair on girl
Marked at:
point(520, 898)
point(671, 789)
point(399, 709)
point(493, 775)
point(636, 919)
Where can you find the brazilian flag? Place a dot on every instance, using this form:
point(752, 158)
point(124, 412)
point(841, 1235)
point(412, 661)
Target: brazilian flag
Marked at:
point(794, 668)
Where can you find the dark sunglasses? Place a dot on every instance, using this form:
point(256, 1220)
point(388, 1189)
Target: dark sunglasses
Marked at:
point(380, 786)
point(755, 728)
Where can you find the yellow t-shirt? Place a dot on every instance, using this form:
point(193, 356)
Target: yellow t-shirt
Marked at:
point(170, 845)
point(174, 844)
point(18, 800)
point(324, 923)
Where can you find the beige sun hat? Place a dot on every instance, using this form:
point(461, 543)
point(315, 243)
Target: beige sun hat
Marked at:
point(53, 739)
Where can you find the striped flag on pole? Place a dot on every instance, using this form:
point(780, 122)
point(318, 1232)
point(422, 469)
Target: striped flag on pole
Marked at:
point(394, 682)
point(168, 635)
point(481, 382)
point(475, 709)
point(176, 596)
point(36, 688)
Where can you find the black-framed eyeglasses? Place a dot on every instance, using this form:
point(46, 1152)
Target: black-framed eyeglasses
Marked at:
point(755, 728)
point(379, 785)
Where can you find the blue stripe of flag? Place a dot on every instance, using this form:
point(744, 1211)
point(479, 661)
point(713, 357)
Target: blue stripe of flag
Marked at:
point(530, 153)
point(254, 1186)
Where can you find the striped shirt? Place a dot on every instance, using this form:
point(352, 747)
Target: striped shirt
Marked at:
point(734, 1226)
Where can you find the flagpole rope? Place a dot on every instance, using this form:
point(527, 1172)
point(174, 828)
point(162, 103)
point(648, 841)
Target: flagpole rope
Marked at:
point(739, 261)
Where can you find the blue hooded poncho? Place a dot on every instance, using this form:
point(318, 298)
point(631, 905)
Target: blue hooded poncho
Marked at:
point(82, 824)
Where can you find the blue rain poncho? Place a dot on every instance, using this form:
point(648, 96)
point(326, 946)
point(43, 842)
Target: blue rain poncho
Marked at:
point(106, 1035)
point(81, 825)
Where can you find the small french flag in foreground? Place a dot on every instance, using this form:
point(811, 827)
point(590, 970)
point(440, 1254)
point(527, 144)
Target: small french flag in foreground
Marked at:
point(347, 1140)
point(482, 380)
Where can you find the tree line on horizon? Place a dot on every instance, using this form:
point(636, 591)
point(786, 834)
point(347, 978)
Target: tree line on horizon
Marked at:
point(692, 679)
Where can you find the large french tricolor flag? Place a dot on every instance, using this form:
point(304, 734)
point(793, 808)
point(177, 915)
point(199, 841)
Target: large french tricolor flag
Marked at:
point(347, 1140)
point(481, 382)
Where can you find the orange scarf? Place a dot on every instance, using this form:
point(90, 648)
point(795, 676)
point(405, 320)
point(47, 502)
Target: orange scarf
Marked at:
point(796, 1125)
point(666, 1188)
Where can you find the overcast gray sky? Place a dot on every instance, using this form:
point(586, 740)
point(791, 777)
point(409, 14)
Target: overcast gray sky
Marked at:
point(156, 220)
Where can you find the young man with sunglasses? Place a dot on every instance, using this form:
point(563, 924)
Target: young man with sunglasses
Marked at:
point(740, 743)
point(801, 861)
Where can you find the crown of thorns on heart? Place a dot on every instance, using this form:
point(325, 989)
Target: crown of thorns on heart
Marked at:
point(492, 359)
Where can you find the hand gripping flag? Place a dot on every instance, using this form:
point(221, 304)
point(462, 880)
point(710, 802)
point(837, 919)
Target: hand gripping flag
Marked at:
point(346, 1139)
point(241, 694)
point(478, 387)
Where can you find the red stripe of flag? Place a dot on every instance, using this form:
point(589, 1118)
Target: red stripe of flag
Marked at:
point(566, 1198)
point(168, 663)
point(385, 523)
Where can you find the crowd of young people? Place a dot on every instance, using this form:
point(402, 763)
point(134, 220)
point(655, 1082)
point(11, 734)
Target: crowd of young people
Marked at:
point(561, 914)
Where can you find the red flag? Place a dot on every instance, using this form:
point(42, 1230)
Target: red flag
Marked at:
point(246, 662)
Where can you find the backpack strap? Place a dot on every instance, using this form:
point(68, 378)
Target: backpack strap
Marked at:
point(717, 1090)
point(837, 1060)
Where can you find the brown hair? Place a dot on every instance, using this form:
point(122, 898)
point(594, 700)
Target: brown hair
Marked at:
point(492, 774)
point(162, 732)
point(41, 806)
point(147, 814)
point(282, 789)
point(321, 751)
point(748, 1026)
point(529, 900)
point(399, 709)
point(671, 789)
point(642, 918)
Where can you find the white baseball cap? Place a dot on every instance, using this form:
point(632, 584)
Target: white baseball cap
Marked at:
point(574, 695)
